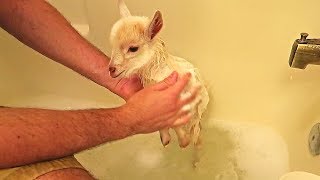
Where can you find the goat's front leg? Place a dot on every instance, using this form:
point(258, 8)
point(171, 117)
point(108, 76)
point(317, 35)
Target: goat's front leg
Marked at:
point(183, 137)
point(165, 136)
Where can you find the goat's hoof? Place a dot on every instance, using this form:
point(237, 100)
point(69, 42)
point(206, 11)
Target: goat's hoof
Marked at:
point(165, 141)
point(184, 142)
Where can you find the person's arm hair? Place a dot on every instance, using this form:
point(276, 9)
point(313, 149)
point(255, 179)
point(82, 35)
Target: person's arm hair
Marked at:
point(40, 26)
point(30, 135)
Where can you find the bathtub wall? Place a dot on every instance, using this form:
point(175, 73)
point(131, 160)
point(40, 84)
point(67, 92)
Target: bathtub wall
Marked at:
point(241, 48)
point(25, 73)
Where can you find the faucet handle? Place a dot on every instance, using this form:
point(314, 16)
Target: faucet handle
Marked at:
point(303, 38)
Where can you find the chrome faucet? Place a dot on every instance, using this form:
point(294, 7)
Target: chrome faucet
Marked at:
point(305, 51)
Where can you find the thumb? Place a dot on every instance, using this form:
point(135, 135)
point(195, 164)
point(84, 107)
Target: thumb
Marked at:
point(167, 82)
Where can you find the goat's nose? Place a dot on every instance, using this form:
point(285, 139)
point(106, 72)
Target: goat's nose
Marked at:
point(112, 69)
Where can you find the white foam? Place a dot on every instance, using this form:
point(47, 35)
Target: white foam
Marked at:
point(231, 151)
point(255, 152)
point(299, 176)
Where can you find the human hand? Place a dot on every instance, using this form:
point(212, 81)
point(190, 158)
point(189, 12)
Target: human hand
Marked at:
point(159, 106)
point(126, 87)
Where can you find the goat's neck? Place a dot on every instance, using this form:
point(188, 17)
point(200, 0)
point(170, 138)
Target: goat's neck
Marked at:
point(159, 66)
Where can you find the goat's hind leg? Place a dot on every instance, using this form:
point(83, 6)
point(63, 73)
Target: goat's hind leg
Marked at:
point(183, 137)
point(165, 136)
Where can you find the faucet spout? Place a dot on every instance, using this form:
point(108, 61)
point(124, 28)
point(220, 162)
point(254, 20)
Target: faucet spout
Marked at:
point(304, 52)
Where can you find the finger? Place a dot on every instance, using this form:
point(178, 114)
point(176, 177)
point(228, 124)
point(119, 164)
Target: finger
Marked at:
point(135, 78)
point(188, 109)
point(188, 97)
point(169, 119)
point(181, 83)
point(183, 120)
point(182, 112)
point(164, 120)
point(179, 114)
point(167, 82)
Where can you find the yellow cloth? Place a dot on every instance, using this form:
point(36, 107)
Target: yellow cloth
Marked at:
point(32, 171)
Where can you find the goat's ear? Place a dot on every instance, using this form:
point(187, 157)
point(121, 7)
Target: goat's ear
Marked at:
point(124, 11)
point(155, 25)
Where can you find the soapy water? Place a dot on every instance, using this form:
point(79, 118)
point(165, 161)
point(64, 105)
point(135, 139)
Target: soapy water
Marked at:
point(299, 175)
point(256, 151)
point(230, 151)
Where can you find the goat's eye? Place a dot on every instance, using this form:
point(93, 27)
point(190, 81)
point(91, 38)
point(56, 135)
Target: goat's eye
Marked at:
point(133, 49)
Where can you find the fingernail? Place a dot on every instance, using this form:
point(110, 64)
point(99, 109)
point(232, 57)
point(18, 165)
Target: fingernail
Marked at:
point(174, 73)
point(186, 108)
point(174, 76)
point(177, 122)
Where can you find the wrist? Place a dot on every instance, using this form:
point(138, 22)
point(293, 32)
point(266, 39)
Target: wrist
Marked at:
point(99, 73)
point(128, 117)
point(122, 121)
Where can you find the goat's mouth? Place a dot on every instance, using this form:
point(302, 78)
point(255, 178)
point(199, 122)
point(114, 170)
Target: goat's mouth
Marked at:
point(116, 75)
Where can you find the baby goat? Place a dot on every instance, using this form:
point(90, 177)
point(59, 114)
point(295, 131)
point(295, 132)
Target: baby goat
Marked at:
point(136, 49)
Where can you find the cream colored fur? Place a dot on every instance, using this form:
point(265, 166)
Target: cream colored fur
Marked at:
point(153, 63)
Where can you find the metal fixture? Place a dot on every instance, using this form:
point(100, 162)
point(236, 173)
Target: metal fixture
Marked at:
point(305, 51)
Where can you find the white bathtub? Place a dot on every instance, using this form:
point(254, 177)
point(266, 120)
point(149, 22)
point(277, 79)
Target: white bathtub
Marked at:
point(261, 113)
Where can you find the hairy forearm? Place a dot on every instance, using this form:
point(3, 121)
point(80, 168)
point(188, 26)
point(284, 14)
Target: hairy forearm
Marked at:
point(31, 135)
point(40, 26)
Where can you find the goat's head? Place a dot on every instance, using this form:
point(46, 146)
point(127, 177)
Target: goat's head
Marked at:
point(133, 42)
